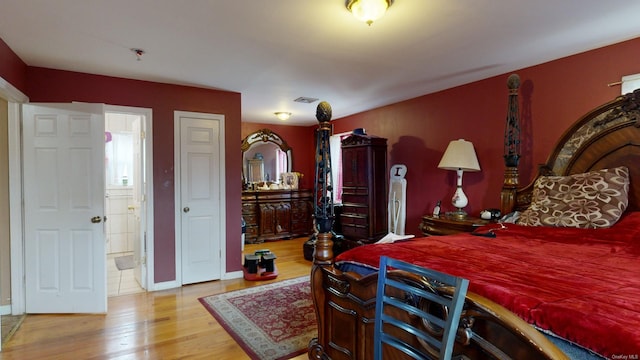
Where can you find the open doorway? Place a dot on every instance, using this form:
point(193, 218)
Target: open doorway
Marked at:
point(125, 182)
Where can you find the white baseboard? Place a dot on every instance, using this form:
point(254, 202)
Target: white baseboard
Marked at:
point(174, 284)
point(5, 310)
point(233, 275)
point(164, 286)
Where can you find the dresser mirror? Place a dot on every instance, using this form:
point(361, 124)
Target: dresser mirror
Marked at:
point(265, 156)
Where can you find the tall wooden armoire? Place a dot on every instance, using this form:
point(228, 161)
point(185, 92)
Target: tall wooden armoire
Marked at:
point(364, 192)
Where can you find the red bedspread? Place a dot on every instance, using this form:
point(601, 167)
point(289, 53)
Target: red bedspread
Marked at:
point(582, 285)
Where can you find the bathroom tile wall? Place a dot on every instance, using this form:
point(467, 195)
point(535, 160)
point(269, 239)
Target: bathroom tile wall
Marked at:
point(120, 225)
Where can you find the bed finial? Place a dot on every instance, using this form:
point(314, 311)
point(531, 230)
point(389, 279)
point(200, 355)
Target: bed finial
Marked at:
point(511, 147)
point(513, 83)
point(323, 112)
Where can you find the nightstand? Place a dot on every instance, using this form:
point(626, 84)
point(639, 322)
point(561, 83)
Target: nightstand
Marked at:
point(446, 224)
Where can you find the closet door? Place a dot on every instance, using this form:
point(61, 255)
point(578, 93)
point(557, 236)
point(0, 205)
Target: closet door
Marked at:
point(201, 196)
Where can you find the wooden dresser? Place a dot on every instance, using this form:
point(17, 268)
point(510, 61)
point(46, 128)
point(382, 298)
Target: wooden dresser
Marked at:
point(364, 188)
point(277, 214)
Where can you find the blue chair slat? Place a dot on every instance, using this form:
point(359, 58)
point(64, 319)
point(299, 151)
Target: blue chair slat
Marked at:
point(414, 298)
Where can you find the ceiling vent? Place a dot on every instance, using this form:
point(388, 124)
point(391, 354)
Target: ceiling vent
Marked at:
point(306, 100)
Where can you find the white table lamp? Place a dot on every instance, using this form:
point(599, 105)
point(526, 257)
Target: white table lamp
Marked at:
point(459, 156)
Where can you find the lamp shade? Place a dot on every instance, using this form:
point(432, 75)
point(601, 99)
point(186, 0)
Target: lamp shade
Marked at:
point(460, 154)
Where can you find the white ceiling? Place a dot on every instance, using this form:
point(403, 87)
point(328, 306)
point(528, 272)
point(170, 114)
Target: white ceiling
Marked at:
point(274, 51)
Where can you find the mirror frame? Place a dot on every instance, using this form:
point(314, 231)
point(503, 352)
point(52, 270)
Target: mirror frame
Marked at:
point(264, 136)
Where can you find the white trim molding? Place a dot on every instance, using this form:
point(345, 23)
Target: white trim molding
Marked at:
point(15, 99)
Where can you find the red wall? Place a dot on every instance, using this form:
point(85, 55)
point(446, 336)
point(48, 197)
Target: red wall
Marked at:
point(552, 96)
point(301, 139)
point(12, 68)
point(46, 85)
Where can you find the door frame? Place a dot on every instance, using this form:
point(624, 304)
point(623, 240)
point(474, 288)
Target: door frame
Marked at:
point(177, 114)
point(15, 100)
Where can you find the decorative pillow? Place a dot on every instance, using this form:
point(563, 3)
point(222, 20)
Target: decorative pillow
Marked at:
point(594, 199)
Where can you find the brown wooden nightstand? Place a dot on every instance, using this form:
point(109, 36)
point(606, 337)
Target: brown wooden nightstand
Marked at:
point(446, 225)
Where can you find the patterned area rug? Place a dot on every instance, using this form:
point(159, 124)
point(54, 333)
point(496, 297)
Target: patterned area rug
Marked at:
point(272, 321)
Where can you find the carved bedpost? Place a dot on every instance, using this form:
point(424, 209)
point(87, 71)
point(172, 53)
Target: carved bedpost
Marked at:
point(323, 219)
point(511, 148)
point(323, 189)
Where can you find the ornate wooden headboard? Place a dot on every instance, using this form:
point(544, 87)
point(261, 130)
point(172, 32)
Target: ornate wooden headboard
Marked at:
point(605, 137)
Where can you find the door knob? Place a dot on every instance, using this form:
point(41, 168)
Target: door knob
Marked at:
point(186, 209)
point(96, 219)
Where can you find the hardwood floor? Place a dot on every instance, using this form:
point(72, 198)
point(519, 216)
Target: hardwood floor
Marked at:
point(169, 324)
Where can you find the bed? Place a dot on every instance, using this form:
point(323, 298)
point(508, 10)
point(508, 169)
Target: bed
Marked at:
point(545, 283)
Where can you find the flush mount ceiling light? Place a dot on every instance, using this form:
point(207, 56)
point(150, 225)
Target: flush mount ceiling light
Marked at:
point(282, 115)
point(368, 10)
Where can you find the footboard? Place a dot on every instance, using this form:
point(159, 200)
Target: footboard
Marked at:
point(345, 307)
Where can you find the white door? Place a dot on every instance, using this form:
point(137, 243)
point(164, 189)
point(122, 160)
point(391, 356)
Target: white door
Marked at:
point(65, 252)
point(200, 203)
